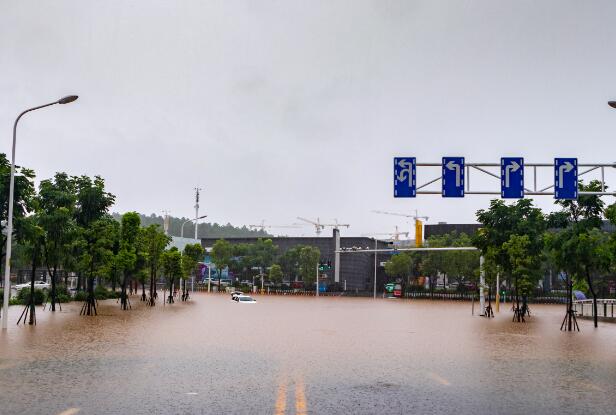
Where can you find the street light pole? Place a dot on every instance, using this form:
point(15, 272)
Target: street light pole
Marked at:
point(9, 221)
point(190, 220)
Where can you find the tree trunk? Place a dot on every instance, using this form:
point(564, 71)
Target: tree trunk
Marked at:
point(170, 299)
point(89, 307)
point(31, 302)
point(594, 297)
point(54, 294)
point(152, 300)
point(123, 296)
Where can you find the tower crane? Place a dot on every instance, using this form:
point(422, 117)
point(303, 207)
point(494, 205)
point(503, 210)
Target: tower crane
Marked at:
point(320, 226)
point(394, 235)
point(418, 223)
point(262, 226)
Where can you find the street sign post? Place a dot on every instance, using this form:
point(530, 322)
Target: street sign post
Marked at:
point(404, 177)
point(453, 177)
point(565, 178)
point(512, 177)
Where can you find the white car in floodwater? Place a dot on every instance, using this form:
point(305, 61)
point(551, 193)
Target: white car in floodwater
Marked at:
point(244, 299)
point(40, 285)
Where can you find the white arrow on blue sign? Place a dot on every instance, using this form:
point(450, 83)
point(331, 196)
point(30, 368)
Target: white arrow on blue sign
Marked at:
point(404, 177)
point(565, 178)
point(512, 177)
point(453, 177)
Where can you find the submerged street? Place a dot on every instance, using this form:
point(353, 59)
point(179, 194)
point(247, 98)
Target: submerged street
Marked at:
point(301, 355)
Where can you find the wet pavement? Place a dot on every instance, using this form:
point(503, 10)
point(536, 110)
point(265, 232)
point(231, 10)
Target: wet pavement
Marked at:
point(301, 355)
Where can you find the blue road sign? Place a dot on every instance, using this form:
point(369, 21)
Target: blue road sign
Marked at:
point(512, 177)
point(565, 178)
point(404, 177)
point(453, 177)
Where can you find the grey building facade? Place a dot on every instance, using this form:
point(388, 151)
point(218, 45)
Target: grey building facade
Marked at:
point(356, 269)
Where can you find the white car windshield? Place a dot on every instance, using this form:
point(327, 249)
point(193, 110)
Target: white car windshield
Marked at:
point(246, 299)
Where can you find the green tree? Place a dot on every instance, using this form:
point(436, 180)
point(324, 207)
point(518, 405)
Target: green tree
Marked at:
point(127, 257)
point(399, 267)
point(171, 261)
point(221, 257)
point(500, 223)
point(525, 268)
point(275, 274)
point(193, 253)
point(93, 203)
point(154, 243)
point(56, 200)
point(289, 263)
point(32, 238)
point(309, 257)
point(580, 248)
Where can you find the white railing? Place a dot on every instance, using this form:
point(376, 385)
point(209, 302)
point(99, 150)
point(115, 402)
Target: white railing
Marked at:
point(605, 307)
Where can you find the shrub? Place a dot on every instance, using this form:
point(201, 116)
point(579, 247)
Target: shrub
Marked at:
point(101, 293)
point(80, 296)
point(63, 298)
point(24, 296)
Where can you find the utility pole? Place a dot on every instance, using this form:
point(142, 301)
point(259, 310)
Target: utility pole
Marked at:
point(197, 189)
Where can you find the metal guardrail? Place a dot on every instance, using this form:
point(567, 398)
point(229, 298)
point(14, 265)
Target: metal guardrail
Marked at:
point(605, 307)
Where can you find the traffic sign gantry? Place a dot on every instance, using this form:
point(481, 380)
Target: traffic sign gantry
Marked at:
point(565, 178)
point(512, 177)
point(453, 177)
point(404, 177)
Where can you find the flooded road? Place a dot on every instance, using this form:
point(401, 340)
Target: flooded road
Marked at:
point(301, 355)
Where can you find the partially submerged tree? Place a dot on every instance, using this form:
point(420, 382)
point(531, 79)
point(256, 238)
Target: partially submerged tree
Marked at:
point(502, 222)
point(93, 203)
point(309, 257)
point(221, 257)
point(171, 261)
point(56, 201)
point(193, 253)
point(154, 243)
point(127, 257)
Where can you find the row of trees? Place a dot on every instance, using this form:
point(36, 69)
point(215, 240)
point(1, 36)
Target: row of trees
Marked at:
point(246, 258)
point(521, 244)
point(66, 226)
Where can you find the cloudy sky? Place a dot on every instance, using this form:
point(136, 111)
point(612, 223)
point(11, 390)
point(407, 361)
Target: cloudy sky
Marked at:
point(281, 109)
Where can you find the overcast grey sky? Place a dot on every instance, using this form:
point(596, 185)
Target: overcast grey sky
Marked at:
point(281, 109)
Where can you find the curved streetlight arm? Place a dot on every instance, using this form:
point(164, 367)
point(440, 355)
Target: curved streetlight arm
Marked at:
point(189, 220)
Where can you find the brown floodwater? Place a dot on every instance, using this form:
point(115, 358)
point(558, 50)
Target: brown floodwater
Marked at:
point(301, 355)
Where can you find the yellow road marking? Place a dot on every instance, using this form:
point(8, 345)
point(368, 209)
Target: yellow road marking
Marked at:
point(281, 401)
point(300, 398)
point(69, 411)
point(439, 379)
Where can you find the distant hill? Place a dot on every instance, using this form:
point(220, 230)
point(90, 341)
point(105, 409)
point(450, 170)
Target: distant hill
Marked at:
point(206, 230)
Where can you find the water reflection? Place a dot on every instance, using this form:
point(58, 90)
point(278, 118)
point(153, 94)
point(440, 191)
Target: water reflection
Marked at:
point(304, 355)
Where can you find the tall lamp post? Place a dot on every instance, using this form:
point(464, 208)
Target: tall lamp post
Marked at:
point(9, 225)
point(189, 220)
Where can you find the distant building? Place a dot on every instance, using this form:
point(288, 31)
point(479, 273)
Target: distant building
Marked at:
point(357, 269)
point(443, 228)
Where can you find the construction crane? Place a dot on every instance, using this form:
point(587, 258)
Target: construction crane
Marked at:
point(395, 236)
point(320, 226)
point(263, 226)
point(418, 223)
